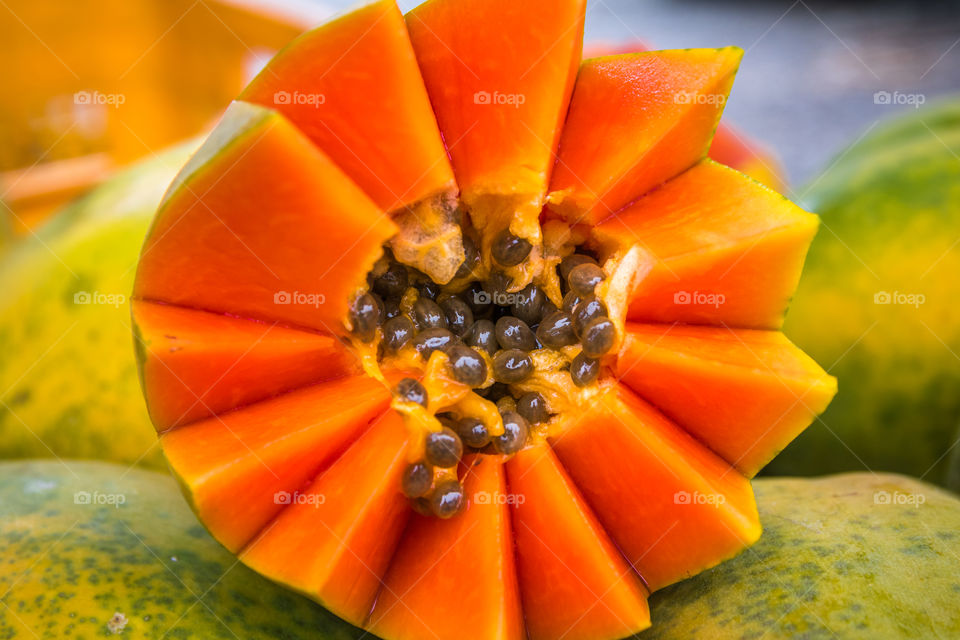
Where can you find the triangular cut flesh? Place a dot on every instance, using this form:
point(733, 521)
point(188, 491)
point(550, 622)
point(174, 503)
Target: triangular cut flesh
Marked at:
point(744, 393)
point(724, 249)
point(333, 540)
point(574, 583)
point(194, 364)
point(499, 74)
point(237, 467)
point(665, 103)
point(673, 507)
point(261, 224)
point(353, 87)
point(456, 578)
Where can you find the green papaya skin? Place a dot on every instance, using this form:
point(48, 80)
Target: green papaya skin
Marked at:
point(93, 549)
point(876, 303)
point(849, 556)
point(68, 377)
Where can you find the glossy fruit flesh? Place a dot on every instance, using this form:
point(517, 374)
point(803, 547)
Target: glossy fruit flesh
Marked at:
point(308, 472)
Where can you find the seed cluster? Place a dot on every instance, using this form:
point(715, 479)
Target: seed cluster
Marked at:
point(486, 333)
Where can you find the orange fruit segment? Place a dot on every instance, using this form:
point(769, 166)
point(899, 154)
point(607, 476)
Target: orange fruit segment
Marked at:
point(261, 224)
point(499, 74)
point(666, 103)
point(455, 578)
point(334, 539)
point(708, 380)
point(237, 467)
point(724, 249)
point(574, 583)
point(673, 507)
point(195, 364)
point(353, 87)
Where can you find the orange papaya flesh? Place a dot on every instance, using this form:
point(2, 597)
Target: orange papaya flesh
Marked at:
point(499, 74)
point(667, 103)
point(726, 251)
point(709, 380)
point(574, 583)
point(292, 235)
point(335, 538)
point(672, 506)
point(235, 465)
point(455, 578)
point(353, 87)
point(273, 224)
point(195, 364)
point(730, 146)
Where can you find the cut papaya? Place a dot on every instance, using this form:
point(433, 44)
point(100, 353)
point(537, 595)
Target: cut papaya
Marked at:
point(237, 467)
point(505, 78)
point(666, 103)
point(261, 224)
point(195, 364)
point(353, 87)
point(468, 561)
point(730, 146)
point(403, 402)
point(725, 250)
point(333, 540)
point(672, 506)
point(574, 583)
point(708, 381)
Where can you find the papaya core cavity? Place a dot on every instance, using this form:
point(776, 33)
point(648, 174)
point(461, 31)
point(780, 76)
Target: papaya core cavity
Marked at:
point(479, 359)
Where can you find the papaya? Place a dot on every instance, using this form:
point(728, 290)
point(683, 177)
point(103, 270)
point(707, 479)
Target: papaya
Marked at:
point(94, 549)
point(730, 146)
point(389, 339)
point(68, 379)
point(891, 207)
point(832, 563)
